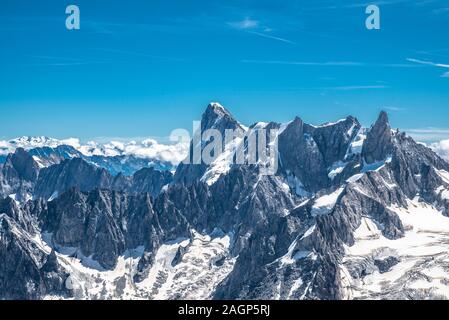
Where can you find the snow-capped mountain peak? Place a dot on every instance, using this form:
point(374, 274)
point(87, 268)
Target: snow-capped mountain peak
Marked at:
point(145, 149)
point(351, 213)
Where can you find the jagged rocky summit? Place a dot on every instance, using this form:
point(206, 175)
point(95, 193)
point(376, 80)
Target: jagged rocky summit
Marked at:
point(351, 213)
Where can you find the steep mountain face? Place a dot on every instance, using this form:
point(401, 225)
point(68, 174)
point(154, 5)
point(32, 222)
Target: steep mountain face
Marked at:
point(147, 180)
point(70, 173)
point(347, 176)
point(76, 172)
point(11, 208)
point(351, 213)
point(18, 175)
point(23, 176)
point(215, 117)
point(27, 270)
point(103, 224)
point(311, 268)
point(47, 156)
point(308, 153)
point(379, 141)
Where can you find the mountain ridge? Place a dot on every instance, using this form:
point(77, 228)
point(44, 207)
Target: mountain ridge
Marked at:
point(342, 213)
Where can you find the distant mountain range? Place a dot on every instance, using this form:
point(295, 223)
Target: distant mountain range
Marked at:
point(116, 157)
point(351, 213)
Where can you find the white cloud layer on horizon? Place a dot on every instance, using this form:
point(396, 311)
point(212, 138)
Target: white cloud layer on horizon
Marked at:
point(147, 148)
point(441, 148)
point(175, 153)
point(428, 136)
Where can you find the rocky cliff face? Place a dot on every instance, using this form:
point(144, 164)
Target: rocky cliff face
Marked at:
point(27, 270)
point(309, 153)
point(70, 173)
point(18, 175)
point(347, 210)
point(379, 141)
point(215, 117)
point(78, 173)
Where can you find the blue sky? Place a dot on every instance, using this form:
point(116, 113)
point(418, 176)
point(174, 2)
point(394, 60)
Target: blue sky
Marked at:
point(142, 68)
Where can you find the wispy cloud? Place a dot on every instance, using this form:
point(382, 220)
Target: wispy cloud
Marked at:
point(60, 61)
point(331, 63)
point(69, 63)
point(432, 64)
point(109, 56)
point(429, 134)
point(364, 4)
point(138, 54)
point(244, 24)
point(255, 27)
point(323, 89)
point(55, 61)
point(393, 109)
point(440, 53)
point(429, 63)
point(54, 58)
point(358, 87)
point(268, 36)
point(307, 63)
point(441, 10)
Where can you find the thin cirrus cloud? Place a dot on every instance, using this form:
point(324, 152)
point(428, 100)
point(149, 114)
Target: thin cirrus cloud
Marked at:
point(306, 63)
point(107, 56)
point(394, 109)
point(441, 10)
point(429, 134)
point(332, 63)
point(432, 64)
point(364, 4)
point(358, 87)
point(245, 24)
point(254, 27)
point(268, 36)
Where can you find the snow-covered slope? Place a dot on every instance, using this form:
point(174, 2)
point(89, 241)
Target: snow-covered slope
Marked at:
point(415, 266)
point(194, 275)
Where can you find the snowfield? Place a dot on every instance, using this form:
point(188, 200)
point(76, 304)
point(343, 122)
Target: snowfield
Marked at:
point(421, 258)
point(326, 203)
point(204, 265)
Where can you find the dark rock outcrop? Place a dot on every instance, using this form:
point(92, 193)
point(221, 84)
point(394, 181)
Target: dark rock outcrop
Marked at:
point(215, 117)
point(57, 179)
point(26, 272)
point(78, 173)
point(103, 223)
point(18, 175)
point(379, 141)
point(307, 152)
